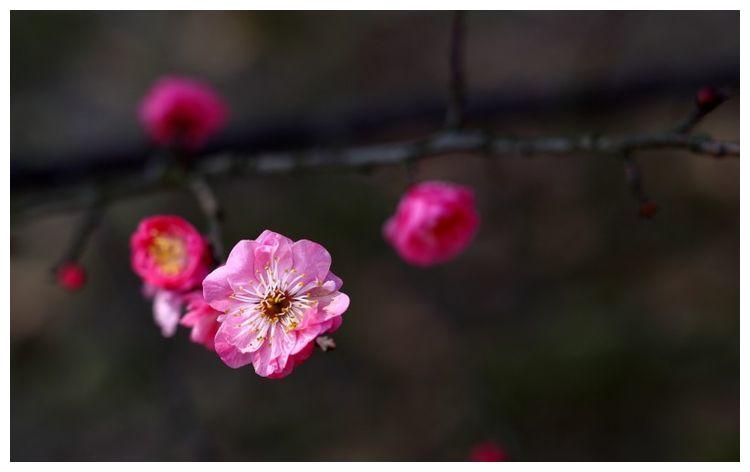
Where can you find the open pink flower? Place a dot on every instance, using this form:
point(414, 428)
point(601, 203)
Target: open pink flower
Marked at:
point(434, 222)
point(276, 297)
point(183, 112)
point(201, 318)
point(169, 253)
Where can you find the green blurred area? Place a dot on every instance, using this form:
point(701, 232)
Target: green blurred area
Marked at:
point(569, 330)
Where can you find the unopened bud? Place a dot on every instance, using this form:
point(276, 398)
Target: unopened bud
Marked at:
point(71, 276)
point(709, 98)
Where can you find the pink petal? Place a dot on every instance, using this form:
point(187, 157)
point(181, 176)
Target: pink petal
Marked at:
point(236, 332)
point(230, 355)
point(167, 310)
point(311, 259)
point(273, 251)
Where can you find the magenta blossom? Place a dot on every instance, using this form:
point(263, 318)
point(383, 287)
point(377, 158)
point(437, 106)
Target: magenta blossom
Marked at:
point(169, 253)
point(201, 318)
point(434, 222)
point(182, 112)
point(276, 296)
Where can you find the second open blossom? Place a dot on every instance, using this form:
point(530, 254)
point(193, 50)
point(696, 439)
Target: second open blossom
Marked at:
point(276, 296)
point(169, 253)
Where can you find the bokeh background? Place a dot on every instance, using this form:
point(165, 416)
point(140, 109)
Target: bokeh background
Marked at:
point(569, 330)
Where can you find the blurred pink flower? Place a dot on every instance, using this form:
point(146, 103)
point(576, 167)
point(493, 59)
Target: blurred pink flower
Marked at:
point(201, 318)
point(182, 112)
point(169, 253)
point(276, 297)
point(434, 222)
point(71, 276)
point(488, 452)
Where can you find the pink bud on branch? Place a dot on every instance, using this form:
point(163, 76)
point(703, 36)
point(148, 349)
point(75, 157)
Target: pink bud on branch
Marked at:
point(709, 97)
point(71, 276)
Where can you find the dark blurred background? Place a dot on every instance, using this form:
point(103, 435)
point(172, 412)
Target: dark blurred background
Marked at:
point(569, 330)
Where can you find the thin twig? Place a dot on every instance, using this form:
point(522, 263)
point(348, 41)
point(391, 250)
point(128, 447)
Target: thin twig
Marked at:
point(707, 100)
point(634, 178)
point(212, 210)
point(457, 85)
point(83, 232)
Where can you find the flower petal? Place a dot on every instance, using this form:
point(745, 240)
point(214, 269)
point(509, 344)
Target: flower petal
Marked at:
point(167, 310)
point(311, 259)
point(230, 355)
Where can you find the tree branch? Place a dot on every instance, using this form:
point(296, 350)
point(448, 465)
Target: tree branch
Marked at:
point(68, 196)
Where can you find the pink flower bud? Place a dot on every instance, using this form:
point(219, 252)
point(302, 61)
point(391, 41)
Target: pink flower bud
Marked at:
point(71, 277)
point(434, 222)
point(168, 253)
point(488, 452)
point(709, 98)
point(182, 112)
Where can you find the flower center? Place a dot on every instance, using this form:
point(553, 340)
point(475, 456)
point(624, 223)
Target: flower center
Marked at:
point(276, 304)
point(168, 253)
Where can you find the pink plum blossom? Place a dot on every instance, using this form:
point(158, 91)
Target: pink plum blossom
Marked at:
point(276, 296)
point(182, 112)
point(434, 222)
point(169, 253)
point(201, 318)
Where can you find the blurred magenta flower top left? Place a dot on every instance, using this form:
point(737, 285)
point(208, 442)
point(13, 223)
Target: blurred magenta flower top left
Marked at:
point(182, 112)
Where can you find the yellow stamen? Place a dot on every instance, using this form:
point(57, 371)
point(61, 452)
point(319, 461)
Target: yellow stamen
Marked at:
point(168, 253)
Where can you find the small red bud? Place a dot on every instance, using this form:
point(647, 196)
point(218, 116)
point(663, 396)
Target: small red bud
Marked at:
point(648, 209)
point(709, 98)
point(488, 452)
point(71, 276)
